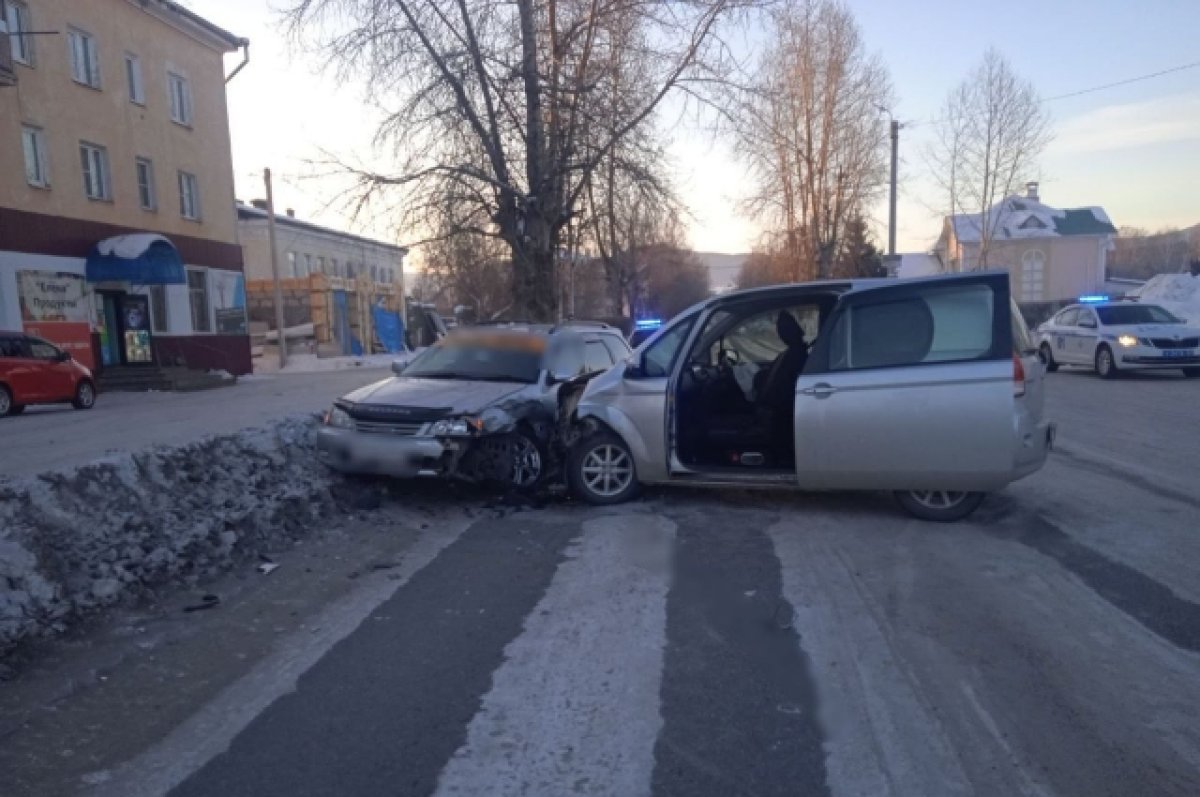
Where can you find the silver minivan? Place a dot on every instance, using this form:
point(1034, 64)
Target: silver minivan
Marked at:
point(929, 388)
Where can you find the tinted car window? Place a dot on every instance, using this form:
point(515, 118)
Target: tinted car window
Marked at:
point(939, 325)
point(41, 350)
point(10, 347)
point(658, 357)
point(488, 356)
point(1135, 314)
point(596, 357)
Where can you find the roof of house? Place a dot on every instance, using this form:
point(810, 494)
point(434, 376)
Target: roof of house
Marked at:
point(249, 212)
point(1022, 217)
point(191, 17)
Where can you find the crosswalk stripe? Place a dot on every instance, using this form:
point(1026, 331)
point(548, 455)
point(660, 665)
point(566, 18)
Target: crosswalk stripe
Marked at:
point(575, 706)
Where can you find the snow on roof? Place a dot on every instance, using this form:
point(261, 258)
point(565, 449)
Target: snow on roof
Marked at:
point(130, 247)
point(1022, 217)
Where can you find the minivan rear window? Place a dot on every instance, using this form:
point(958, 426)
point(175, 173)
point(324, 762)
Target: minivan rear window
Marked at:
point(944, 324)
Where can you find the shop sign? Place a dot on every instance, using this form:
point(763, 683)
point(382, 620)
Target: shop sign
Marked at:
point(54, 307)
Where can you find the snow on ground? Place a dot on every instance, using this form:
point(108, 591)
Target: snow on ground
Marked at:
point(1178, 293)
point(302, 363)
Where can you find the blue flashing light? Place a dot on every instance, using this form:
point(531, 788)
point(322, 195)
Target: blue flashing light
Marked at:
point(648, 323)
point(1093, 298)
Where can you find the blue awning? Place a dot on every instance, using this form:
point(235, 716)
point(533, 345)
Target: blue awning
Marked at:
point(142, 259)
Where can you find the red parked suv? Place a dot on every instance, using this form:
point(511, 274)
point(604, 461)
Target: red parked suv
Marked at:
point(33, 371)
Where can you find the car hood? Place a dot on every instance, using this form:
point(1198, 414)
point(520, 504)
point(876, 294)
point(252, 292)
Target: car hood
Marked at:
point(1171, 331)
point(455, 396)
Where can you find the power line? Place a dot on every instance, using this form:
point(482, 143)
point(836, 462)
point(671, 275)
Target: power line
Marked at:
point(1091, 90)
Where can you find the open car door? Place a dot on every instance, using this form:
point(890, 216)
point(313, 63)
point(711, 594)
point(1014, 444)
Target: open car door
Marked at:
point(911, 387)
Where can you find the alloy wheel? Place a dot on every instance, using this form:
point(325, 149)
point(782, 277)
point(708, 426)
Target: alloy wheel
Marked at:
point(86, 395)
point(607, 470)
point(526, 462)
point(5, 402)
point(938, 499)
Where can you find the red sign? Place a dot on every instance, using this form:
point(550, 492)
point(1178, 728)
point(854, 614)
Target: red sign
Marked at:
point(72, 337)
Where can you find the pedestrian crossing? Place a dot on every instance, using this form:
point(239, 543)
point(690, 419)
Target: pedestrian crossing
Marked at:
point(704, 650)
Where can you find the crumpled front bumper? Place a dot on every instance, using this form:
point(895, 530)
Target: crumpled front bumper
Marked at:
point(351, 451)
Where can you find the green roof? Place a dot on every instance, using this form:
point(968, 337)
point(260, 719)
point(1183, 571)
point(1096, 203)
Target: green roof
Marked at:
point(1082, 222)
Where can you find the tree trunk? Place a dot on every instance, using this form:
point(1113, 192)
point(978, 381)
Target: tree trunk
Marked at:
point(534, 278)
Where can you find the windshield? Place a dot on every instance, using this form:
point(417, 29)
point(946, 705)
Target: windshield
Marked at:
point(489, 356)
point(1116, 315)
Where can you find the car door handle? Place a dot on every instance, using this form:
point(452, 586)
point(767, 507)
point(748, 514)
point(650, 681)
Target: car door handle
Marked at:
point(820, 390)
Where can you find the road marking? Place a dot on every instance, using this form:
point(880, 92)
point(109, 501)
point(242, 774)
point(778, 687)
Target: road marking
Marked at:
point(882, 738)
point(208, 732)
point(575, 706)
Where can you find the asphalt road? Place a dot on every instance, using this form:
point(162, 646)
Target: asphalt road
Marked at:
point(692, 644)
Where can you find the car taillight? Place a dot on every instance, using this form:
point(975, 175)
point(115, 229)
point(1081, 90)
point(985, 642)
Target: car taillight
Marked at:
point(1018, 375)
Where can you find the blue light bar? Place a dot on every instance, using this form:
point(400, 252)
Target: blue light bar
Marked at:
point(648, 323)
point(1092, 298)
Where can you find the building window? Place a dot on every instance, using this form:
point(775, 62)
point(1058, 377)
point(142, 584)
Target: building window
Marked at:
point(1033, 275)
point(181, 98)
point(307, 266)
point(197, 282)
point(158, 308)
point(147, 196)
point(94, 159)
point(334, 269)
point(189, 196)
point(321, 264)
point(33, 142)
point(17, 15)
point(133, 79)
point(291, 266)
point(85, 60)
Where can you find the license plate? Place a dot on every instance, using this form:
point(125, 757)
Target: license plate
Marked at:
point(1171, 353)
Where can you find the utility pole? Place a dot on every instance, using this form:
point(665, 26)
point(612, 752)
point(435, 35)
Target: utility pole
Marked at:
point(275, 269)
point(892, 196)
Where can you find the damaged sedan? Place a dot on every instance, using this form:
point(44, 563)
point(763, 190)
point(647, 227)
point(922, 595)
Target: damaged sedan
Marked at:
point(484, 404)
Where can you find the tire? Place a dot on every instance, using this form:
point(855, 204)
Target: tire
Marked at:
point(602, 472)
point(1047, 356)
point(1106, 363)
point(514, 460)
point(941, 506)
point(1191, 373)
point(85, 395)
point(6, 402)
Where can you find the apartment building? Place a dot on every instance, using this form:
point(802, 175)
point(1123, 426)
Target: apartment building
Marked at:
point(118, 234)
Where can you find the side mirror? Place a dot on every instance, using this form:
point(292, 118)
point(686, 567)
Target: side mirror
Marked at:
point(62, 357)
point(398, 367)
point(559, 376)
point(1087, 323)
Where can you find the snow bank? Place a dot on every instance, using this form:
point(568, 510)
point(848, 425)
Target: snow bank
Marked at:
point(1178, 293)
point(74, 541)
point(129, 247)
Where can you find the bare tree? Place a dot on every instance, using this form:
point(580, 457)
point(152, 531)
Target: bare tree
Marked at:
point(994, 129)
point(808, 127)
point(508, 103)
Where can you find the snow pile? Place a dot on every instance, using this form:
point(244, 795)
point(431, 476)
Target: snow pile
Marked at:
point(1178, 293)
point(311, 363)
point(130, 247)
point(75, 541)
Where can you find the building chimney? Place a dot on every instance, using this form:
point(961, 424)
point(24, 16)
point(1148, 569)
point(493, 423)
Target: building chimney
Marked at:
point(1031, 191)
point(291, 213)
point(261, 204)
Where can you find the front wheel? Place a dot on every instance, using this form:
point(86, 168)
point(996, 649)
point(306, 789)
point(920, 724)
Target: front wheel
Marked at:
point(85, 396)
point(942, 506)
point(1106, 364)
point(602, 470)
point(1047, 356)
point(6, 402)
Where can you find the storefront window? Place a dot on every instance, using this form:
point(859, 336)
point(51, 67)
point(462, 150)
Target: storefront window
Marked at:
point(198, 296)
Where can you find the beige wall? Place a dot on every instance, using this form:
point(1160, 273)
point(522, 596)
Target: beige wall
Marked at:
point(47, 97)
point(316, 245)
point(1074, 264)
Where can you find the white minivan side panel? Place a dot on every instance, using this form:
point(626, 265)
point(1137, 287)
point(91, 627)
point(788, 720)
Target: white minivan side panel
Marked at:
point(946, 426)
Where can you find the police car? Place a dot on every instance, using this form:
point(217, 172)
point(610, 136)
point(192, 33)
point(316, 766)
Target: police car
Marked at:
point(1115, 336)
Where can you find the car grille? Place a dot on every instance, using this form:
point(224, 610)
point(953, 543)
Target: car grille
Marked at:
point(401, 428)
point(1171, 343)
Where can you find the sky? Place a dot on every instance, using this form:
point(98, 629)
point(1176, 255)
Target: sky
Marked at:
point(1132, 149)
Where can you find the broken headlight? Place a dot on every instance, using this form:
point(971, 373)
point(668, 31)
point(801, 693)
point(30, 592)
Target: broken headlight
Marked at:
point(460, 427)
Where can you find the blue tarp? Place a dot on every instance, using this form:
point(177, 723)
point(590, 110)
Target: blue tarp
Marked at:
point(389, 329)
point(136, 259)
